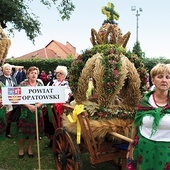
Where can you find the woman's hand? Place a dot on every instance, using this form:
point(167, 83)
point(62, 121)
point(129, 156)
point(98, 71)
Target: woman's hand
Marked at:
point(32, 108)
point(38, 105)
point(131, 147)
point(129, 152)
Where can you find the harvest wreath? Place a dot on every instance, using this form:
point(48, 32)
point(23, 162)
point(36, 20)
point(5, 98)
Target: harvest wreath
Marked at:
point(117, 77)
point(117, 96)
point(112, 72)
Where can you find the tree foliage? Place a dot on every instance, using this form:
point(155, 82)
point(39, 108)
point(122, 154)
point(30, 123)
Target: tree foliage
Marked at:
point(138, 51)
point(47, 65)
point(19, 16)
point(151, 62)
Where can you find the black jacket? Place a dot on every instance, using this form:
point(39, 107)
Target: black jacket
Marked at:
point(3, 80)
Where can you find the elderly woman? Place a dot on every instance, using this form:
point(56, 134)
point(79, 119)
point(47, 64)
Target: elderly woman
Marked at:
point(61, 74)
point(151, 130)
point(27, 122)
point(9, 81)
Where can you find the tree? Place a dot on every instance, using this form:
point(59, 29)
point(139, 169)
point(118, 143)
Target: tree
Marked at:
point(151, 62)
point(137, 50)
point(16, 12)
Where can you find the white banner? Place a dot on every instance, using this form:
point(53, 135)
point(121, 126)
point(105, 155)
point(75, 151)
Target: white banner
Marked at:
point(33, 95)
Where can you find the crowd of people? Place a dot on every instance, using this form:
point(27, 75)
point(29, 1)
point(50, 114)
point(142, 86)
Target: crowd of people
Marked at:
point(150, 132)
point(26, 123)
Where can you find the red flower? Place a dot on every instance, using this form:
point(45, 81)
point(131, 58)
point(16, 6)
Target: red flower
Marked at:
point(167, 166)
point(142, 70)
point(139, 158)
point(116, 72)
point(139, 107)
point(2, 61)
point(136, 140)
point(111, 51)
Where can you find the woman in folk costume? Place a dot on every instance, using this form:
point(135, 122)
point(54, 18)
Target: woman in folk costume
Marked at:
point(27, 122)
point(61, 74)
point(151, 130)
point(7, 80)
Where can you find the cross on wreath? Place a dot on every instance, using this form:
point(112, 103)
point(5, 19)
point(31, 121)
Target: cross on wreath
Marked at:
point(110, 12)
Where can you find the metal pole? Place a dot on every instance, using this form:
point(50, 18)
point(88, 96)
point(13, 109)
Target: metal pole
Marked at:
point(133, 8)
point(137, 26)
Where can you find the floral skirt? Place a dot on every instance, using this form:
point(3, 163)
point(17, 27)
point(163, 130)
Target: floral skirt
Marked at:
point(152, 155)
point(27, 124)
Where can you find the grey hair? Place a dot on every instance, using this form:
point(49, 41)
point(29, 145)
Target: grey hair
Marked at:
point(7, 65)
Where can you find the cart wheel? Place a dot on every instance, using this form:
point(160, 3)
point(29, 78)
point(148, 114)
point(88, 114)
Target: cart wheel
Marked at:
point(66, 152)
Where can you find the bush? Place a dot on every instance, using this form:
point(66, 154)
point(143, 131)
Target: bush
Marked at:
point(47, 65)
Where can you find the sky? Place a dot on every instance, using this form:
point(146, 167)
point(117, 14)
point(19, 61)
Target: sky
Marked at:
point(153, 26)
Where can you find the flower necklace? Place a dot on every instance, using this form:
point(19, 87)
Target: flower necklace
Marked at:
point(158, 104)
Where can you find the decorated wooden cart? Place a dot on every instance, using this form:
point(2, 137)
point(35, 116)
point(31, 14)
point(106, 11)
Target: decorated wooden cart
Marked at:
point(107, 83)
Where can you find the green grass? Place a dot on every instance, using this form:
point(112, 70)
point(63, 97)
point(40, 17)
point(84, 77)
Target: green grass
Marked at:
point(9, 157)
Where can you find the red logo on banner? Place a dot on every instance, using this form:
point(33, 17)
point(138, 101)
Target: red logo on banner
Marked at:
point(14, 94)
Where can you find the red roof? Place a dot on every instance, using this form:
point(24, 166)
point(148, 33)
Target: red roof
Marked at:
point(54, 49)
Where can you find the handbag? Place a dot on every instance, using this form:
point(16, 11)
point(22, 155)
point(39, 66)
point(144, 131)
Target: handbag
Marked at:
point(15, 113)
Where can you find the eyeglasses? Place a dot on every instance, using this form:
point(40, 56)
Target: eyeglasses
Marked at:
point(59, 73)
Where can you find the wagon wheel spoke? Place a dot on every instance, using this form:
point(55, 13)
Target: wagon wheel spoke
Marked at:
point(64, 142)
point(69, 154)
point(58, 166)
point(69, 167)
point(65, 147)
point(71, 162)
point(64, 168)
point(60, 139)
point(57, 150)
point(59, 145)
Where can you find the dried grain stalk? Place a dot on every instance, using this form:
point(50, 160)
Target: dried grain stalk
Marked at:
point(83, 81)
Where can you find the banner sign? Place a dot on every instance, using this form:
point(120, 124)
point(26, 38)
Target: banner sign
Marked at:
point(33, 95)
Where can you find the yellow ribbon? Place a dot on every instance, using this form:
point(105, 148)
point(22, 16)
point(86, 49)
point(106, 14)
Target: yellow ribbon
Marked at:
point(77, 110)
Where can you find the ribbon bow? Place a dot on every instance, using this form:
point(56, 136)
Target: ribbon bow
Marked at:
point(77, 110)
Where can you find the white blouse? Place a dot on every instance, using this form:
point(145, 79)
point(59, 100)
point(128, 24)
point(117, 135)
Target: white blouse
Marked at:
point(67, 88)
point(163, 131)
